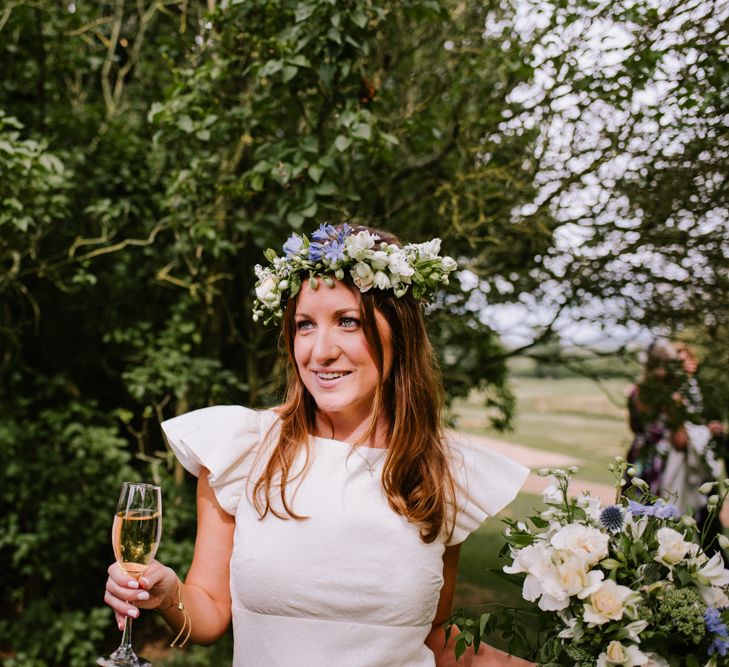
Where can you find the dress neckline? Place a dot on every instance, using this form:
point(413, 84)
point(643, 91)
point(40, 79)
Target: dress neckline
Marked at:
point(371, 453)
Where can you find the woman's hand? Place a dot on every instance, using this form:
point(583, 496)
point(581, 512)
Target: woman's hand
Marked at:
point(157, 588)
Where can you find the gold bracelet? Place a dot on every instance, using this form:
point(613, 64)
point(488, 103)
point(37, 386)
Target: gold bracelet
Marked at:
point(186, 622)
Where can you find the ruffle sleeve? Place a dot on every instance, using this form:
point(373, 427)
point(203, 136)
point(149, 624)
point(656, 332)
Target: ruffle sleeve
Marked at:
point(224, 439)
point(486, 482)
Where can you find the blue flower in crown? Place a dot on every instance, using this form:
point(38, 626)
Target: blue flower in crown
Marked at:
point(324, 233)
point(293, 246)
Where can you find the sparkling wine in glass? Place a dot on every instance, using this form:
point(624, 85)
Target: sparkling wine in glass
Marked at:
point(135, 536)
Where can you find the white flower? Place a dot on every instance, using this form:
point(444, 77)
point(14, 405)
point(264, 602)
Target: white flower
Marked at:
point(589, 543)
point(362, 275)
point(358, 244)
point(553, 576)
point(713, 596)
point(399, 266)
point(713, 573)
point(591, 504)
point(569, 631)
point(655, 660)
point(618, 654)
point(448, 264)
point(607, 603)
point(267, 292)
point(672, 548)
point(636, 526)
point(381, 280)
point(632, 631)
point(541, 582)
point(572, 576)
point(378, 260)
point(552, 495)
point(429, 250)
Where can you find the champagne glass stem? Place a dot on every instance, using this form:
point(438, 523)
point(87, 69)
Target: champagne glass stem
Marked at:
point(125, 652)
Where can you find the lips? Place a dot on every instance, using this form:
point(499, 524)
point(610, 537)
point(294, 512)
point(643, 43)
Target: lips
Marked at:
point(331, 375)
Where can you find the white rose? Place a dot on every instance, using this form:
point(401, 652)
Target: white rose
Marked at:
point(358, 244)
point(381, 280)
point(607, 603)
point(617, 654)
point(362, 276)
point(672, 548)
point(589, 543)
point(267, 292)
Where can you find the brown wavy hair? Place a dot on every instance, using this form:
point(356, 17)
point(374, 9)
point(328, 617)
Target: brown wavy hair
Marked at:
point(416, 475)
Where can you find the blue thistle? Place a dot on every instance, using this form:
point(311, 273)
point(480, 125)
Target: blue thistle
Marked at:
point(611, 518)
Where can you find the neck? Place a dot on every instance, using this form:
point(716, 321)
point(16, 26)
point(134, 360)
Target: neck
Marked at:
point(340, 427)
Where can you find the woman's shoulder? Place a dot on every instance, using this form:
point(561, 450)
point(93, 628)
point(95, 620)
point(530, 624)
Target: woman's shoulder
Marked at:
point(224, 439)
point(216, 434)
point(216, 420)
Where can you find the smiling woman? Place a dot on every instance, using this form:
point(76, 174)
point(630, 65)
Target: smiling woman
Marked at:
point(318, 556)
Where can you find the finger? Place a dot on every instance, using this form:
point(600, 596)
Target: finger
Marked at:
point(123, 592)
point(120, 607)
point(120, 577)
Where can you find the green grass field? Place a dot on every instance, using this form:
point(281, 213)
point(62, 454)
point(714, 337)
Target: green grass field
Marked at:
point(572, 416)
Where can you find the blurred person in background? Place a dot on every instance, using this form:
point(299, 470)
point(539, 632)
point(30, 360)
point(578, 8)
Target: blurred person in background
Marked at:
point(673, 449)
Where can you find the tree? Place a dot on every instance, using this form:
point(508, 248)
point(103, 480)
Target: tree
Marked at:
point(153, 151)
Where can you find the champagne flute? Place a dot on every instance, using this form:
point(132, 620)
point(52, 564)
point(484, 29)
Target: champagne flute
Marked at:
point(135, 536)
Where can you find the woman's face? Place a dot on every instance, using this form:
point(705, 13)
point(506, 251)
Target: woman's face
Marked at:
point(332, 355)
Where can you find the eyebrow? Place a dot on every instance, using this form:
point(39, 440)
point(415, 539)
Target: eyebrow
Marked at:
point(337, 313)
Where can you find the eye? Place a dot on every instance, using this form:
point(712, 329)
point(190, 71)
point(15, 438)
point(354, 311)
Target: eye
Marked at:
point(349, 322)
point(304, 325)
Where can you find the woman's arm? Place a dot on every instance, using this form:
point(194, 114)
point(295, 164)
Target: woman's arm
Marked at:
point(445, 655)
point(206, 591)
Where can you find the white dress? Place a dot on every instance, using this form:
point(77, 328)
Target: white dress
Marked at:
point(353, 584)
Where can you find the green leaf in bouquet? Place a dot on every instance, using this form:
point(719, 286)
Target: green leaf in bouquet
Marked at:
point(539, 522)
point(460, 647)
point(483, 623)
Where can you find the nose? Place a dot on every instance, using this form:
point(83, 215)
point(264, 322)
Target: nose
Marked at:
point(325, 348)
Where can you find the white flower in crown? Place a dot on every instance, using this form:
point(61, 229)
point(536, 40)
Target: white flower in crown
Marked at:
point(377, 259)
point(363, 276)
point(398, 265)
point(358, 244)
point(428, 250)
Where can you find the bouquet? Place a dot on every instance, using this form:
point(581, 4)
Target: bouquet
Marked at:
point(626, 584)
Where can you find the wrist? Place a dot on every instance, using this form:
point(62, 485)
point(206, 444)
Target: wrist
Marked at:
point(171, 597)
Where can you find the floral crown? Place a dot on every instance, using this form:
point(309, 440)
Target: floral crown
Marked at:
point(335, 250)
